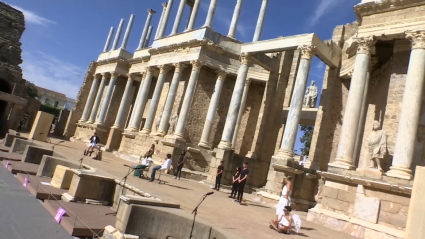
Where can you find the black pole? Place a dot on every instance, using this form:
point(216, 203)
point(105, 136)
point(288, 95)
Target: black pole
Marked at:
point(195, 212)
point(130, 169)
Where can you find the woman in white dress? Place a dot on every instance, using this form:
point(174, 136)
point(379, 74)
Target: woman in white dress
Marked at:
point(284, 198)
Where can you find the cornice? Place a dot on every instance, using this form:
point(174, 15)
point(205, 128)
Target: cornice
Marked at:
point(139, 60)
point(113, 60)
point(185, 46)
point(370, 8)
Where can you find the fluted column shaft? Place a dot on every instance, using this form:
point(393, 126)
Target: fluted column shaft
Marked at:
point(187, 101)
point(411, 109)
point(166, 18)
point(169, 103)
point(212, 110)
point(179, 16)
point(161, 20)
point(193, 15)
point(90, 99)
point(118, 35)
point(241, 111)
point(125, 104)
point(108, 40)
point(98, 98)
point(347, 141)
point(260, 21)
point(211, 12)
point(291, 126)
point(139, 107)
point(155, 99)
point(107, 99)
point(235, 19)
point(145, 29)
point(235, 104)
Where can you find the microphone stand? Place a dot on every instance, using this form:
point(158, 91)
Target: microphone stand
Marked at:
point(195, 212)
point(81, 161)
point(53, 147)
point(130, 170)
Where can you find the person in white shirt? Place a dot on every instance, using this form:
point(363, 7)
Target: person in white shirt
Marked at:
point(164, 166)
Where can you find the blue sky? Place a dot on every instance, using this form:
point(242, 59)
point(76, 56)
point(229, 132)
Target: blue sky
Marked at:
point(62, 37)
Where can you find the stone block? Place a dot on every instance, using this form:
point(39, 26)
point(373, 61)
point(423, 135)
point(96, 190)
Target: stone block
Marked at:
point(62, 177)
point(340, 186)
point(48, 165)
point(114, 139)
point(33, 154)
point(40, 128)
point(390, 197)
point(416, 219)
point(19, 145)
point(8, 140)
point(366, 208)
point(335, 204)
point(390, 207)
point(330, 192)
point(369, 233)
point(396, 220)
point(346, 196)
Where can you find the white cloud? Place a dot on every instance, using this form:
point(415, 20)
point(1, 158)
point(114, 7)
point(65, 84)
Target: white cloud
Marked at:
point(33, 18)
point(323, 7)
point(51, 73)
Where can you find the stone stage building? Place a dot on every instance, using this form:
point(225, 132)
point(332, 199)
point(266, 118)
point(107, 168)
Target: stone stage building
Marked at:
point(222, 99)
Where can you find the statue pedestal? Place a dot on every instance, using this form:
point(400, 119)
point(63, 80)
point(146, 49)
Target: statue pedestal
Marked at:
point(371, 171)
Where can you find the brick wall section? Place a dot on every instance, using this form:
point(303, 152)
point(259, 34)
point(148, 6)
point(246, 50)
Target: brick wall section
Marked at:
point(82, 96)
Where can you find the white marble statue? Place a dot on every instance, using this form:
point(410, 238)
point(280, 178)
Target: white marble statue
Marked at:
point(173, 123)
point(377, 145)
point(158, 122)
point(310, 97)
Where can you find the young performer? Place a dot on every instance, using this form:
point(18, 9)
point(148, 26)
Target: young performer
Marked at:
point(164, 166)
point(242, 181)
point(146, 162)
point(235, 183)
point(220, 171)
point(284, 198)
point(180, 165)
point(284, 223)
point(93, 141)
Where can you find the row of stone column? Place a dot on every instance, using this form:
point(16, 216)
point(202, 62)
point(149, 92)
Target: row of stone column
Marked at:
point(410, 112)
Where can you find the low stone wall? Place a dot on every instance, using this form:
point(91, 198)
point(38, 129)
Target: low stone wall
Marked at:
point(48, 165)
point(34, 154)
point(8, 140)
point(19, 145)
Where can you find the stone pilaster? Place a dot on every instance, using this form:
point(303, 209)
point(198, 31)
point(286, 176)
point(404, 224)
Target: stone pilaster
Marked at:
point(90, 99)
point(411, 108)
point(235, 104)
point(212, 110)
point(347, 141)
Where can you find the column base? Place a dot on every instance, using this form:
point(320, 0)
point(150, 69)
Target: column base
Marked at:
point(225, 145)
point(117, 127)
point(89, 122)
point(145, 131)
point(204, 144)
point(82, 121)
point(160, 133)
point(284, 154)
point(312, 165)
point(343, 163)
point(176, 137)
point(252, 155)
point(400, 172)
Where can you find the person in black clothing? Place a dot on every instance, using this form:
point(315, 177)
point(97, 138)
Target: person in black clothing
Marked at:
point(242, 180)
point(180, 165)
point(235, 183)
point(220, 171)
point(93, 141)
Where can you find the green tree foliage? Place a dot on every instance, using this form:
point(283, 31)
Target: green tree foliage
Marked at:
point(32, 91)
point(306, 138)
point(50, 109)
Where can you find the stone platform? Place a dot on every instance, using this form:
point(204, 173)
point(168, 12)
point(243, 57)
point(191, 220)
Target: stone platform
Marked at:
point(10, 156)
point(21, 167)
point(4, 148)
point(38, 190)
point(82, 220)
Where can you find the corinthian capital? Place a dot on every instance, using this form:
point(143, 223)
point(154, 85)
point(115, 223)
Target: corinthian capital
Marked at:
point(115, 75)
point(196, 65)
point(245, 59)
point(179, 67)
point(417, 38)
point(163, 69)
point(149, 70)
point(364, 44)
point(221, 75)
point(164, 5)
point(151, 11)
point(307, 51)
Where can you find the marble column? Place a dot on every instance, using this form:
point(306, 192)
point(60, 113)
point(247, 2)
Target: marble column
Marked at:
point(211, 12)
point(344, 158)
point(139, 106)
point(235, 19)
point(148, 38)
point(235, 103)
point(127, 32)
point(212, 110)
point(125, 103)
point(158, 29)
point(286, 150)
point(98, 98)
point(260, 21)
point(166, 18)
point(108, 40)
point(411, 109)
point(179, 16)
point(169, 103)
point(194, 15)
point(118, 35)
point(90, 99)
point(241, 111)
point(145, 29)
point(187, 101)
point(107, 99)
point(155, 99)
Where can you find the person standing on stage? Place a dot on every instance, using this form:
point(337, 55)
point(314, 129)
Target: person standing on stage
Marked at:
point(284, 197)
point(220, 171)
point(242, 181)
point(235, 182)
point(180, 165)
